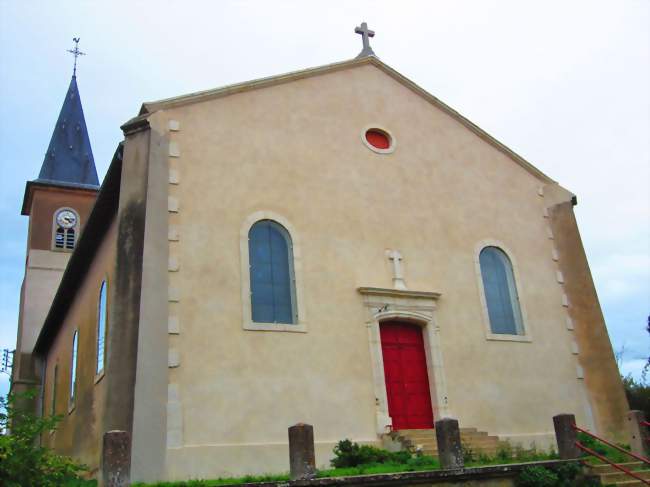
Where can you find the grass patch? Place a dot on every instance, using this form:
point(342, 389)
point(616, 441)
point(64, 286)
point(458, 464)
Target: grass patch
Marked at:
point(506, 454)
point(352, 459)
point(416, 464)
point(218, 482)
point(612, 454)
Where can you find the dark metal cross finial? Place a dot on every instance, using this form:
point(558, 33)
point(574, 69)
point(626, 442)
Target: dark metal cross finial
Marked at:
point(76, 52)
point(365, 35)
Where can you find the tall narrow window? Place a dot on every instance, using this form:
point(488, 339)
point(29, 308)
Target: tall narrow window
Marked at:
point(73, 366)
point(271, 273)
point(101, 328)
point(54, 380)
point(500, 292)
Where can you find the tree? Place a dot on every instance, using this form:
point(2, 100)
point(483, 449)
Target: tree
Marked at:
point(23, 462)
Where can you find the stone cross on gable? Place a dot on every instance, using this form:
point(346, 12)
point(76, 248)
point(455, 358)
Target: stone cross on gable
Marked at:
point(365, 35)
point(398, 276)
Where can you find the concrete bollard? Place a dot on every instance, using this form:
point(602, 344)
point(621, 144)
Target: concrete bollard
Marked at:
point(116, 459)
point(302, 459)
point(566, 436)
point(639, 433)
point(450, 450)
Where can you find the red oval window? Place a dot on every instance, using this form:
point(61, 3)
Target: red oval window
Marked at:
point(378, 139)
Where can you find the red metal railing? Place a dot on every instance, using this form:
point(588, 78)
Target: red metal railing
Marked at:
point(606, 460)
point(622, 450)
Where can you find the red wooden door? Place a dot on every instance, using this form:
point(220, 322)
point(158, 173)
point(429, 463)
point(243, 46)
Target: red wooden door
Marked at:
point(405, 372)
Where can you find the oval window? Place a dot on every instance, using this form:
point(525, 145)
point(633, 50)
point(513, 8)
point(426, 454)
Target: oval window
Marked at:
point(378, 139)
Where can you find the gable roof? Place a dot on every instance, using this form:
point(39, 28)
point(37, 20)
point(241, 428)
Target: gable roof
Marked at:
point(201, 96)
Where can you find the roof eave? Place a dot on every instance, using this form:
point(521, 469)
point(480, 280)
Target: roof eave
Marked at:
point(98, 223)
point(46, 183)
point(150, 107)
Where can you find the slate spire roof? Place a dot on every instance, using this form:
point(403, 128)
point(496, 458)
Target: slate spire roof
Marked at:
point(69, 157)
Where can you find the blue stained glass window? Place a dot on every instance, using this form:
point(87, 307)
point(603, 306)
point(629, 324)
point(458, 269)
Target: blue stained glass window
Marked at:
point(271, 273)
point(101, 328)
point(500, 292)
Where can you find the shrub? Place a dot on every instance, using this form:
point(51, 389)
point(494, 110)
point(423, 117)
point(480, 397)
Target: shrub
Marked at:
point(422, 461)
point(504, 452)
point(469, 455)
point(564, 475)
point(23, 463)
point(349, 454)
point(537, 477)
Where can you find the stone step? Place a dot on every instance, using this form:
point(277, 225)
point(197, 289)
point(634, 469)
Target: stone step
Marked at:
point(485, 440)
point(487, 451)
point(463, 432)
point(605, 468)
point(630, 483)
point(610, 478)
point(425, 440)
point(424, 437)
point(476, 445)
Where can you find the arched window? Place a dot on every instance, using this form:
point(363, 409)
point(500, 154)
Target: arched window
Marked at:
point(271, 273)
point(73, 366)
point(54, 380)
point(500, 292)
point(66, 228)
point(102, 310)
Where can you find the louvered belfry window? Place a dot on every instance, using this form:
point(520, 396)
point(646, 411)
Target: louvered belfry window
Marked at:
point(65, 238)
point(271, 273)
point(501, 294)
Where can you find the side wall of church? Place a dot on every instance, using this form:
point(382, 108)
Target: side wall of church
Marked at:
point(79, 434)
point(294, 152)
point(602, 377)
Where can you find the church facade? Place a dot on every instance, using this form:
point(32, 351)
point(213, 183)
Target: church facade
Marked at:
point(332, 246)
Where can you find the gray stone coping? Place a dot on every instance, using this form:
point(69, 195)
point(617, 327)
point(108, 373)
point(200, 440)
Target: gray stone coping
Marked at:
point(414, 478)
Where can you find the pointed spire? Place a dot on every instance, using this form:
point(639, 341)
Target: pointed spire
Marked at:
point(69, 158)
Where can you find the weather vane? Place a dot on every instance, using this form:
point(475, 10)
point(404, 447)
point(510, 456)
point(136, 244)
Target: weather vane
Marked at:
point(76, 52)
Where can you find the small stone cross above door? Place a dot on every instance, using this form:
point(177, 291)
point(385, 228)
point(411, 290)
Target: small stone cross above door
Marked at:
point(398, 276)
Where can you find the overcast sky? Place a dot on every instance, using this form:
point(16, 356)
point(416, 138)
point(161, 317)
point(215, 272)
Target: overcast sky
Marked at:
point(564, 84)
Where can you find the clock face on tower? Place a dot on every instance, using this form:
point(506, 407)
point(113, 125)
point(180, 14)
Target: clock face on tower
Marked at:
point(66, 219)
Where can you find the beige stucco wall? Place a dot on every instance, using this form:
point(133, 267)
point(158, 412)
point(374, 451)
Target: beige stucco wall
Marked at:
point(296, 150)
point(79, 434)
point(43, 272)
point(44, 266)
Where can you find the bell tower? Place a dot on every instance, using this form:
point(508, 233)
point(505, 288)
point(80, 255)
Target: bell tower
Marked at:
point(57, 203)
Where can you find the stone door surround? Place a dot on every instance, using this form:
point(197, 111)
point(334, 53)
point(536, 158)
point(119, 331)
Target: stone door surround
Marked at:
point(415, 307)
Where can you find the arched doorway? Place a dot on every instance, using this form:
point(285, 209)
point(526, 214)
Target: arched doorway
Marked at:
point(405, 374)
